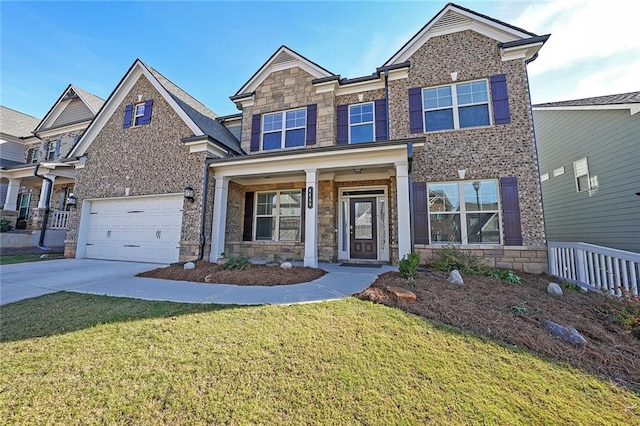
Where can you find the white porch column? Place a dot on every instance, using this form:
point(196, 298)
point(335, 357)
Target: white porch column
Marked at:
point(310, 203)
point(11, 199)
point(43, 192)
point(219, 217)
point(404, 213)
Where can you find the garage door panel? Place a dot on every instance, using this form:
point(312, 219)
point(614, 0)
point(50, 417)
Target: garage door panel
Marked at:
point(145, 229)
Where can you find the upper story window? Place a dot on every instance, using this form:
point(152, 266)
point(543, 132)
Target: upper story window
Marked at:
point(581, 170)
point(51, 149)
point(456, 106)
point(33, 155)
point(284, 129)
point(361, 123)
point(137, 114)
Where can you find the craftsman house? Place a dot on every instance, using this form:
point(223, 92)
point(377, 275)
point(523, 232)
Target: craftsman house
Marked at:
point(28, 142)
point(434, 148)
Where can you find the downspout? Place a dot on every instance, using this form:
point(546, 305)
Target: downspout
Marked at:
point(203, 216)
point(386, 97)
point(43, 230)
point(411, 216)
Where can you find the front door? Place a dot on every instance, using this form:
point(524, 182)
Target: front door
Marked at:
point(362, 228)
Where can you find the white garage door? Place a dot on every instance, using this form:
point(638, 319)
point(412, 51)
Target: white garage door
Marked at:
point(145, 229)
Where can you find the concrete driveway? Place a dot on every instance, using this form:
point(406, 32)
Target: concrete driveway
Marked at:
point(32, 279)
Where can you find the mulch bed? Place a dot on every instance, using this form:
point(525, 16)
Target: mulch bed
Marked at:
point(254, 275)
point(484, 306)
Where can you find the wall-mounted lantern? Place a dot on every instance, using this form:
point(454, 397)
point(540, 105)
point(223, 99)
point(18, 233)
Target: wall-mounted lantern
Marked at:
point(189, 194)
point(71, 200)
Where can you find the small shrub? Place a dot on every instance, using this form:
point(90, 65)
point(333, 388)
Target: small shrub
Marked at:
point(505, 275)
point(626, 313)
point(450, 258)
point(408, 264)
point(239, 263)
point(520, 309)
point(5, 225)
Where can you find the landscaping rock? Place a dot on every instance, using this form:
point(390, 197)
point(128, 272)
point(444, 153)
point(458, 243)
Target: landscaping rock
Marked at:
point(189, 265)
point(272, 263)
point(455, 278)
point(567, 334)
point(554, 289)
point(208, 278)
point(221, 261)
point(402, 293)
point(286, 265)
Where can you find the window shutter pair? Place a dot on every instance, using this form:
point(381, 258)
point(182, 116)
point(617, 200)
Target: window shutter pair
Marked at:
point(247, 230)
point(499, 99)
point(381, 117)
point(510, 212)
point(256, 130)
point(127, 121)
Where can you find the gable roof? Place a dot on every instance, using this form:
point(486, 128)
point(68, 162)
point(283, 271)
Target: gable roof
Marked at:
point(91, 101)
point(630, 101)
point(454, 18)
point(16, 123)
point(283, 58)
point(200, 119)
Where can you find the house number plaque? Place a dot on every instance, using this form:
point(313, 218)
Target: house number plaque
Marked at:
point(310, 197)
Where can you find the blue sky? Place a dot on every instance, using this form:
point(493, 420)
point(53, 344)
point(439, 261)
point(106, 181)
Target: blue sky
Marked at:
point(211, 49)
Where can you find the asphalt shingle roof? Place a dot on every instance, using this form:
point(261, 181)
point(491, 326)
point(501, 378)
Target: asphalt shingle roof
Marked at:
point(95, 102)
point(16, 123)
point(622, 98)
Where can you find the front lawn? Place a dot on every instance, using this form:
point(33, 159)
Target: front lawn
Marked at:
point(21, 258)
point(72, 358)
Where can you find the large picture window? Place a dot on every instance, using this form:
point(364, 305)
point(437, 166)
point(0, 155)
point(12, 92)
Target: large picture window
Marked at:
point(278, 216)
point(464, 212)
point(284, 129)
point(456, 106)
point(361, 123)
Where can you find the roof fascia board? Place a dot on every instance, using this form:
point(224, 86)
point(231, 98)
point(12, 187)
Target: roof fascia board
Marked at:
point(109, 108)
point(633, 108)
point(64, 129)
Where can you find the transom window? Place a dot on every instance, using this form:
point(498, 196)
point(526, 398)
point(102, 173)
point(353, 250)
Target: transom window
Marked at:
point(361, 123)
point(284, 129)
point(278, 216)
point(456, 106)
point(138, 113)
point(464, 212)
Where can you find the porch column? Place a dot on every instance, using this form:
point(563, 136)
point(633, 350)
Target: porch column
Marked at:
point(404, 214)
point(11, 199)
point(43, 192)
point(219, 217)
point(310, 203)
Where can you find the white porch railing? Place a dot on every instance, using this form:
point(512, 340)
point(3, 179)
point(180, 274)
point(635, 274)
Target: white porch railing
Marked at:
point(601, 268)
point(58, 219)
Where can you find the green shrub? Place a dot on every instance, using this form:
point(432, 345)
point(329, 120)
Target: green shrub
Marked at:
point(239, 263)
point(520, 309)
point(505, 275)
point(5, 225)
point(408, 264)
point(450, 258)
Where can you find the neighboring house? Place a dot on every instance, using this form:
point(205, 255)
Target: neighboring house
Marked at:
point(321, 168)
point(45, 143)
point(589, 163)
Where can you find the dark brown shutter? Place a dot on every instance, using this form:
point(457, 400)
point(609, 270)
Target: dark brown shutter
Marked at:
point(420, 213)
point(415, 110)
point(312, 116)
point(343, 125)
point(255, 133)
point(511, 211)
point(247, 233)
point(381, 119)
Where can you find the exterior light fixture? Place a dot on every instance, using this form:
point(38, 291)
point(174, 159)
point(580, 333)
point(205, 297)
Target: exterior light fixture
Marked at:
point(71, 200)
point(357, 171)
point(189, 194)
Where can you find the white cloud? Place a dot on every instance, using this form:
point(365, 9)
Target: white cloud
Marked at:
point(619, 79)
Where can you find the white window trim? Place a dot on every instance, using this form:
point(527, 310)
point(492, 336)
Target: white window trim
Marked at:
point(50, 153)
point(33, 159)
point(135, 115)
point(588, 175)
point(463, 213)
point(373, 121)
point(454, 106)
point(276, 232)
point(283, 129)
point(21, 196)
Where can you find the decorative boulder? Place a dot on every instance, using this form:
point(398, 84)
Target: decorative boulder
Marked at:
point(208, 278)
point(272, 263)
point(286, 265)
point(401, 293)
point(455, 278)
point(567, 334)
point(554, 289)
point(221, 261)
point(189, 265)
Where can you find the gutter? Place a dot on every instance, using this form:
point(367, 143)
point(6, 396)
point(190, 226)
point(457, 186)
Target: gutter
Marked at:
point(43, 230)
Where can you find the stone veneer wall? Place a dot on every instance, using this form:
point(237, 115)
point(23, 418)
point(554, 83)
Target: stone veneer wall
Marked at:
point(148, 159)
point(289, 89)
point(485, 153)
point(352, 98)
point(525, 259)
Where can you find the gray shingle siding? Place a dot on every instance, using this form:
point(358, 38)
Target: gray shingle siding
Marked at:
point(75, 112)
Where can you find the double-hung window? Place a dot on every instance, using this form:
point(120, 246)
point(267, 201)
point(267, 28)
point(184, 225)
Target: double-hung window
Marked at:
point(284, 129)
point(138, 114)
point(581, 170)
point(33, 155)
point(464, 212)
point(278, 215)
point(361, 123)
point(50, 152)
point(456, 106)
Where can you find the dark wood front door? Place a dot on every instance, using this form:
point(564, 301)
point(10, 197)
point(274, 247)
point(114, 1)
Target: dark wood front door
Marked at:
point(362, 228)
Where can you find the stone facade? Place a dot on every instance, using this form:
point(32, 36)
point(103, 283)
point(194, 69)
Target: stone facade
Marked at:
point(288, 89)
point(148, 160)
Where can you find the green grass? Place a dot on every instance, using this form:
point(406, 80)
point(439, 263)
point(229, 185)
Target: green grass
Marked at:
point(70, 358)
point(21, 258)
